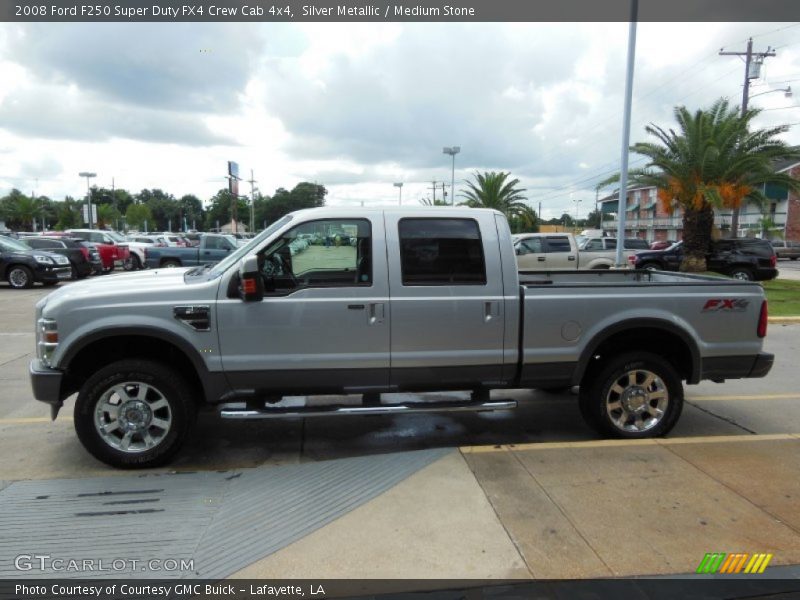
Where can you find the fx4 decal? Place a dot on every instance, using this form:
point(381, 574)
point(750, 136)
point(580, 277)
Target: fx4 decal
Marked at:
point(732, 304)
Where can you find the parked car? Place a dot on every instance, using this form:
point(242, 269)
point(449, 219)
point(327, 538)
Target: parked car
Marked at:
point(661, 244)
point(428, 299)
point(784, 249)
point(213, 248)
point(83, 259)
point(741, 258)
point(22, 266)
point(600, 244)
point(559, 251)
point(112, 246)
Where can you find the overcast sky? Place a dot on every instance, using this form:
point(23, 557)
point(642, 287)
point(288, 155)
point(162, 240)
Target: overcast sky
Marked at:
point(358, 107)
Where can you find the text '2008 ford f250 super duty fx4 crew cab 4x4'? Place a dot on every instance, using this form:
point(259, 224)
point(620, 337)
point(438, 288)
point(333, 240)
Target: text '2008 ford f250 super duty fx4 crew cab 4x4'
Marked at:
point(417, 300)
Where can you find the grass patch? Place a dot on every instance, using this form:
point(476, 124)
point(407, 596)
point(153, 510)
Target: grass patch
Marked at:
point(783, 297)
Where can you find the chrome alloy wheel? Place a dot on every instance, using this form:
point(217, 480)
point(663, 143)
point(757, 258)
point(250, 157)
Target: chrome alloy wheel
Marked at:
point(133, 417)
point(637, 401)
point(18, 278)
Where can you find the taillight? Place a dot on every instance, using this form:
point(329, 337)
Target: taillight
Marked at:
point(632, 260)
point(773, 261)
point(762, 321)
point(85, 252)
point(144, 251)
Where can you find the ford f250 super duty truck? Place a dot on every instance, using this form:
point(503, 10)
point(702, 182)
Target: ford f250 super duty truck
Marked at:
point(418, 300)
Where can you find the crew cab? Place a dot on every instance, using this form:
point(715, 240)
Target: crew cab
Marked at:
point(213, 248)
point(420, 300)
point(741, 258)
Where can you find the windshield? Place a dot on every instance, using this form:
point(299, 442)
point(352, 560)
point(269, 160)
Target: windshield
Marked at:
point(243, 251)
point(11, 245)
point(116, 236)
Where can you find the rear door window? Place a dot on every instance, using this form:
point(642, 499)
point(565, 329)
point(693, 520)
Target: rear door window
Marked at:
point(558, 244)
point(441, 252)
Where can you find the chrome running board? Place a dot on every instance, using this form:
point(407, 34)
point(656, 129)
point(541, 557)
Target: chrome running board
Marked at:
point(240, 410)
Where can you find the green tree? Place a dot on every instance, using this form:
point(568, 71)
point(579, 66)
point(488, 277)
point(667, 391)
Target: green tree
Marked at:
point(713, 160)
point(20, 210)
point(436, 202)
point(107, 216)
point(138, 215)
point(594, 220)
point(495, 190)
point(190, 210)
point(218, 212)
point(68, 214)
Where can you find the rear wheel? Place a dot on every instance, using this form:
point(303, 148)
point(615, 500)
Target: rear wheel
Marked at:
point(134, 414)
point(637, 395)
point(20, 277)
point(650, 267)
point(170, 264)
point(742, 274)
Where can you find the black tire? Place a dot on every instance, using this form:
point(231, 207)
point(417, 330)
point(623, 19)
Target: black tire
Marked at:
point(50, 283)
point(741, 273)
point(132, 263)
point(74, 272)
point(650, 267)
point(164, 384)
point(170, 264)
point(596, 394)
point(792, 258)
point(19, 277)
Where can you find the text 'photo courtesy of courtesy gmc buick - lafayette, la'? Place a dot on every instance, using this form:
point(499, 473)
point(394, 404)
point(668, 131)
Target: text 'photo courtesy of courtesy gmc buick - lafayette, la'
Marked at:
point(356, 301)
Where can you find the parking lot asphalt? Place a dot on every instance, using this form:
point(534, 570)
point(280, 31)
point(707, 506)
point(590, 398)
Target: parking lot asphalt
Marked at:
point(528, 493)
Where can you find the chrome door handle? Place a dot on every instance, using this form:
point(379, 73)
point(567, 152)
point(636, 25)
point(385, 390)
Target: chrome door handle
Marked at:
point(541, 258)
point(570, 258)
point(376, 313)
point(491, 309)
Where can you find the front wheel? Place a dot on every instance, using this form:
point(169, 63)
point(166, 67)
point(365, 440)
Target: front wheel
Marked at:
point(170, 264)
point(637, 395)
point(20, 277)
point(134, 414)
point(132, 263)
point(649, 267)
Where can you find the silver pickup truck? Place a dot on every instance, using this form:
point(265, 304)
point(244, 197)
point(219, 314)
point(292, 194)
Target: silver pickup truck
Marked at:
point(381, 301)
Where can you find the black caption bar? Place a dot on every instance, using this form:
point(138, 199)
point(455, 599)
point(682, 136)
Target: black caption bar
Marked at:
point(396, 589)
point(414, 10)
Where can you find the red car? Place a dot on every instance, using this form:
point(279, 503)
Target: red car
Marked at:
point(112, 246)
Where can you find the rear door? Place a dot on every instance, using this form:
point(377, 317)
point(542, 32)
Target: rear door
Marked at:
point(560, 254)
point(447, 306)
point(531, 254)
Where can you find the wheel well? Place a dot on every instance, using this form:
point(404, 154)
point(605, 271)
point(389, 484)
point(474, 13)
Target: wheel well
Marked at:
point(651, 339)
point(100, 353)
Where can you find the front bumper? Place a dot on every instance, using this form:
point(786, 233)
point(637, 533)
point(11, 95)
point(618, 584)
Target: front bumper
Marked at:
point(47, 274)
point(46, 384)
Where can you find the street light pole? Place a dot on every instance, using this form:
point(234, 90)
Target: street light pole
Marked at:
point(88, 176)
point(452, 151)
point(400, 186)
point(577, 201)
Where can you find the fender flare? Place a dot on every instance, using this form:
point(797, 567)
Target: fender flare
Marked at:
point(633, 325)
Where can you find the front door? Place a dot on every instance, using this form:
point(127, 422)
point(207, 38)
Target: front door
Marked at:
point(323, 325)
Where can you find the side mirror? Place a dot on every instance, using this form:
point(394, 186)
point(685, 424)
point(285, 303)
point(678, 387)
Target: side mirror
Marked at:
point(251, 285)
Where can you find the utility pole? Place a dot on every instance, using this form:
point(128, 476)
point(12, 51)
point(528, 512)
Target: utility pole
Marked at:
point(433, 187)
point(252, 183)
point(752, 70)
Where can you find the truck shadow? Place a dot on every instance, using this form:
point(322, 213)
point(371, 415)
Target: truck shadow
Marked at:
point(223, 444)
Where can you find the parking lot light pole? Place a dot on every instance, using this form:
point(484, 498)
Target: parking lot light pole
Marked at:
point(88, 195)
point(452, 151)
point(400, 190)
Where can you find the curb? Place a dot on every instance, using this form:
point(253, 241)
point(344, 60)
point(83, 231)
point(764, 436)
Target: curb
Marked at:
point(783, 320)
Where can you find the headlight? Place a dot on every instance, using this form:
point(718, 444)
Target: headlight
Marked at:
point(42, 259)
point(46, 339)
point(61, 260)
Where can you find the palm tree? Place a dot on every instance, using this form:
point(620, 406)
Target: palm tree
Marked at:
point(493, 190)
point(712, 161)
point(22, 209)
point(436, 202)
